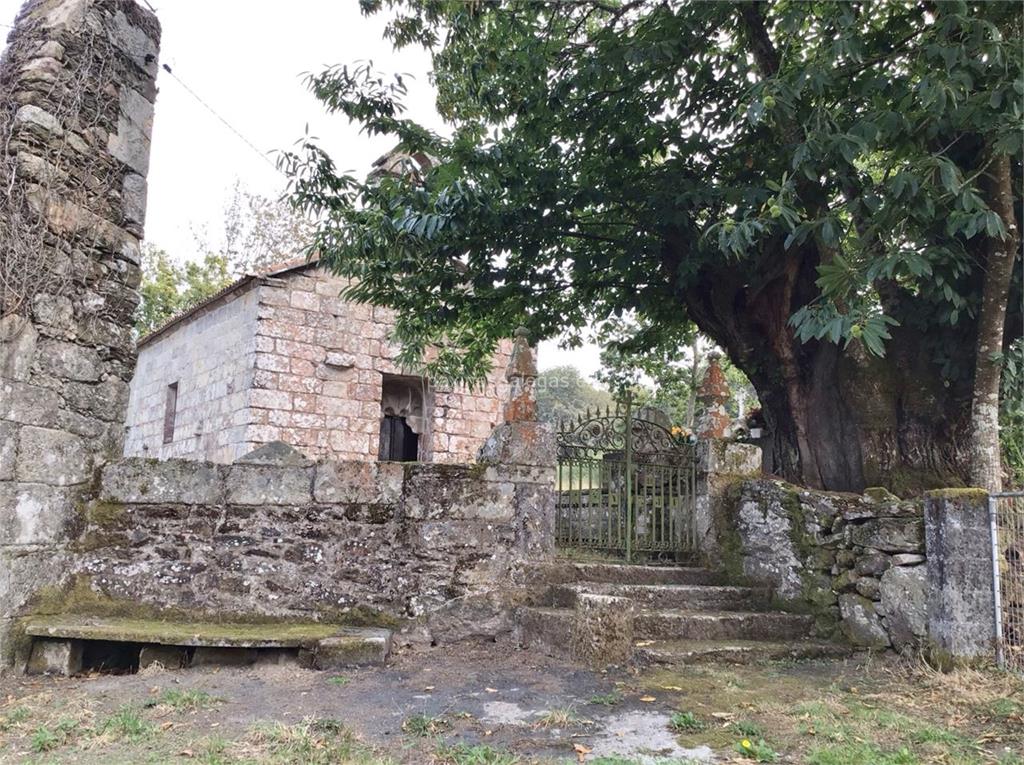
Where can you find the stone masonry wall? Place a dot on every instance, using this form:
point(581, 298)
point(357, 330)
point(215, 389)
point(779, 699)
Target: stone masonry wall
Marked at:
point(319, 367)
point(77, 85)
point(856, 561)
point(212, 359)
point(280, 536)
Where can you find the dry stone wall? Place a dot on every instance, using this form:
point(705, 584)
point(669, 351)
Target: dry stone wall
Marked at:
point(275, 535)
point(77, 86)
point(855, 561)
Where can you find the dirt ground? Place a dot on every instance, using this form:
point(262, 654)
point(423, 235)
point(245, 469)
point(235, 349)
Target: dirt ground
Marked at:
point(494, 705)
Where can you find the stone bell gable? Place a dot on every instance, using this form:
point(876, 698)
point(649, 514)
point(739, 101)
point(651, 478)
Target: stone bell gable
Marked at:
point(281, 357)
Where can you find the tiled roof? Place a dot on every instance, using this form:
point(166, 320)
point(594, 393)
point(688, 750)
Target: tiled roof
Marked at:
point(244, 282)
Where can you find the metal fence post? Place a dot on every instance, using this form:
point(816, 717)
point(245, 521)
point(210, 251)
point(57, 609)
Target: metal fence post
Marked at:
point(993, 519)
point(629, 477)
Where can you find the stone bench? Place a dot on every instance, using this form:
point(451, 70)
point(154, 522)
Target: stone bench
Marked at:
point(59, 641)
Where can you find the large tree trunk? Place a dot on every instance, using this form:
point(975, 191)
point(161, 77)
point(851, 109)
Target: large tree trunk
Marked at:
point(838, 419)
point(986, 466)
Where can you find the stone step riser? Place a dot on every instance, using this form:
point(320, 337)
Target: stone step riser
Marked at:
point(742, 626)
point(733, 653)
point(546, 633)
point(691, 597)
point(610, 573)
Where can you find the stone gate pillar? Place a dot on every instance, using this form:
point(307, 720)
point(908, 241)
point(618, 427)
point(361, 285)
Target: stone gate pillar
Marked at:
point(720, 462)
point(77, 86)
point(524, 449)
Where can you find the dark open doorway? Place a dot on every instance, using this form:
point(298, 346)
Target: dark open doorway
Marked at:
point(403, 419)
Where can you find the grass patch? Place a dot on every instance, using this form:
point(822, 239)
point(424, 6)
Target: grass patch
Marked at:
point(558, 718)
point(340, 680)
point(127, 723)
point(189, 699)
point(748, 729)
point(607, 699)
point(860, 754)
point(480, 754)
point(686, 722)
point(862, 711)
point(15, 716)
point(45, 739)
point(425, 725)
point(757, 750)
point(311, 742)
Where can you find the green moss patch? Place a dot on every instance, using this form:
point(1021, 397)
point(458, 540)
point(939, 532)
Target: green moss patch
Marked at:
point(220, 634)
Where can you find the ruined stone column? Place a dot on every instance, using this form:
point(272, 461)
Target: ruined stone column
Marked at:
point(77, 86)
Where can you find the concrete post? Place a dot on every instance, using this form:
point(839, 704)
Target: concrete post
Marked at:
point(77, 86)
point(961, 606)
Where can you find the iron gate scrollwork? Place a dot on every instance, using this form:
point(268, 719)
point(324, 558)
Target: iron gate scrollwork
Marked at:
point(626, 485)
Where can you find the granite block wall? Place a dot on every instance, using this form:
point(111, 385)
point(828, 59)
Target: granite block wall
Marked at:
point(284, 358)
point(212, 360)
point(320, 362)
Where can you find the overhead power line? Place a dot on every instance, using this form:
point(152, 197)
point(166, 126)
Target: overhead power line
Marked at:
point(223, 121)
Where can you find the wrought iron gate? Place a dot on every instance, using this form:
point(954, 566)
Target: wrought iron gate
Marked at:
point(626, 485)
point(1006, 512)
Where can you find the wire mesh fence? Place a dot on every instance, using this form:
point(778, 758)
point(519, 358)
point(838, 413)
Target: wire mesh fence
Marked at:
point(1007, 511)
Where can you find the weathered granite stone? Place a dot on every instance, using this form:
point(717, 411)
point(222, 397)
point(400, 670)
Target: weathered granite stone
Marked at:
point(17, 347)
point(520, 443)
point(357, 647)
point(269, 485)
point(69, 361)
point(845, 582)
point(873, 564)
point(896, 535)
point(472, 616)
point(869, 587)
point(55, 657)
point(602, 630)
point(816, 549)
point(275, 453)
point(961, 612)
point(29, 404)
point(52, 457)
point(167, 656)
point(140, 481)
point(861, 623)
point(907, 559)
point(904, 605)
point(433, 491)
point(766, 533)
point(367, 482)
point(34, 513)
point(7, 450)
point(64, 364)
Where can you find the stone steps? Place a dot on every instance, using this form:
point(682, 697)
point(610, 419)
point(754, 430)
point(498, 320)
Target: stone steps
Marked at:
point(565, 572)
point(682, 624)
point(679, 652)
point(545, 624)
point(688, 596)
point(610, 613)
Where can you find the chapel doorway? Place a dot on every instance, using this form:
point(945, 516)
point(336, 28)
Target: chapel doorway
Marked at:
point(403, 424)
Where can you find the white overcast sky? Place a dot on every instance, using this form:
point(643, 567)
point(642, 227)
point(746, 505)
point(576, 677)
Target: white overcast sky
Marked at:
point(246, 60)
